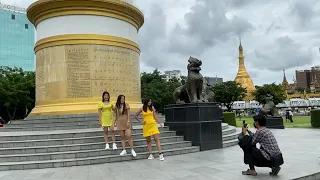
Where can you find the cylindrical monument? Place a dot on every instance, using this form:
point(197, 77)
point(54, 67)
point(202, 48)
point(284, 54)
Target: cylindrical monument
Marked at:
point(85, 47)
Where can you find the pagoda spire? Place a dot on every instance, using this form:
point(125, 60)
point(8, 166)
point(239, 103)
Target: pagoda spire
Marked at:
point(285, 83)
point(242, 76)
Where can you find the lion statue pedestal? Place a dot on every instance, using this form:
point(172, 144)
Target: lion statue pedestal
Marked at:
point(193, 116)
point(274, 121)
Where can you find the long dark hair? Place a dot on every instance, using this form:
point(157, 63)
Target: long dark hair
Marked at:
point(104, 93)
point(118, 104)
point(145, 105)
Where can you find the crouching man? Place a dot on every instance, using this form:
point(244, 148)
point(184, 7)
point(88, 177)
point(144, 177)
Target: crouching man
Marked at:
point(268, 155)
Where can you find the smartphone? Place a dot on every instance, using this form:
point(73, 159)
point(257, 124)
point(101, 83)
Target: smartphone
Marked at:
point(245, 125)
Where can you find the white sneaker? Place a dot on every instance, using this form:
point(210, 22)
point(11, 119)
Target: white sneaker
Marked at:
point(123, 152)
point(134, 154)
point(107, 147)
point(151, 157)
point(114, 146)
point(161, 158)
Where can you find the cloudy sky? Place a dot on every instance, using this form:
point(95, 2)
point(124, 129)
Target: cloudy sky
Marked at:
point(275, 35)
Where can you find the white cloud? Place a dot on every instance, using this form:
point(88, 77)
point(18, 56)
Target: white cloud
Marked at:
point(276, 35)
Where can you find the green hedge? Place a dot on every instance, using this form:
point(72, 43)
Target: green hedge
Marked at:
point(315, 118)
point(229, 118)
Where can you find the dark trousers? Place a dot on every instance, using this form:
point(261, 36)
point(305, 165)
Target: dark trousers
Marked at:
point(253, 157)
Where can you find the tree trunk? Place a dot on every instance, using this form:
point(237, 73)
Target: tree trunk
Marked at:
point(9, 114)
point(14, 112)
point(229, 107)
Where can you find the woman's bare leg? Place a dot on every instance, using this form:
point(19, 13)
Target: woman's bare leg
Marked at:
point(105, 134)
point(148, 139)
point(157, 140)
point(123, 139)
point(130, 140)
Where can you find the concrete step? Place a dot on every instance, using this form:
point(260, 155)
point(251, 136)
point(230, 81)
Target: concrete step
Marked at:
point(224, 126)
point(229, 143)
point(76, 116)
point(86, 153)
point(229, 130)
point(45, 124)
point(231, 136)
point(65, 120)
point(89, 160)
point(78, 147)
point(53, 127)
point(61, 134)
point(65, 141)
point(47, 128)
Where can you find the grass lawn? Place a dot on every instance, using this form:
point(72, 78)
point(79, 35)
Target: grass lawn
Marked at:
point(298, 122)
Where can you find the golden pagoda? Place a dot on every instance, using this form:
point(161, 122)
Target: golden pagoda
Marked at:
point(243, 77)
point(285, 83)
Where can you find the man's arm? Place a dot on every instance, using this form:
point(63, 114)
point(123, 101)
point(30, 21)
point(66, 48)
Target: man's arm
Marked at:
point(256, 138)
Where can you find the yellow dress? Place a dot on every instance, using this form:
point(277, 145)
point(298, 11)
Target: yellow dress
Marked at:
point(150, 127)
point(107, 118)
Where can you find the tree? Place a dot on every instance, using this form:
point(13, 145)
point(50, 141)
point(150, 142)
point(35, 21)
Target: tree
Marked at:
point(17, 91)
point(226, 93)
point(273, 89)
point(154, 86)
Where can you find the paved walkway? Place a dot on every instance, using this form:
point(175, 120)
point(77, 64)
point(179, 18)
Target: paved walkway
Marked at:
point(300, 147)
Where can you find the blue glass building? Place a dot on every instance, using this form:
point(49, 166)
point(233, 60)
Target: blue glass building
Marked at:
point(16, 38)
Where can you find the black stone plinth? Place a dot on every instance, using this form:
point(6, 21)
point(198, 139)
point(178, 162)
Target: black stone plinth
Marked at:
point(275, 122)
point(199, 123)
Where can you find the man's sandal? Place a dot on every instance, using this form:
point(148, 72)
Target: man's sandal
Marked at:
point(249, 173)
point(274, 171)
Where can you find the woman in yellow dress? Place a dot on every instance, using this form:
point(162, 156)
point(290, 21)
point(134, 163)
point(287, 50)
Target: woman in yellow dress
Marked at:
point(150, 127)
point(106, 119)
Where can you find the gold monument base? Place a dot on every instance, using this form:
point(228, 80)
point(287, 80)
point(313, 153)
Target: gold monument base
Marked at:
point(72, 72)
point(76, 106)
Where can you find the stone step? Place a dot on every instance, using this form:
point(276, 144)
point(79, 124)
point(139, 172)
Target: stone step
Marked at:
point(231, 136)
point(78, 147)
point(8, 128)
point(65, 120)
point(45, 124)
point(89, 160)
point(51, 125)
point(224, 126)
point(80, 140)
point(74, 133)
point(71, 116)
point(229, 130)
point(48, 128)
point(229, 143)
point(86, 153)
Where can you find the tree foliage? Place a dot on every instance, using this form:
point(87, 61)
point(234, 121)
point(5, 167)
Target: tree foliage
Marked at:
point(273, 89)
point(17, 92)
point(154, 86)
point(226, 93)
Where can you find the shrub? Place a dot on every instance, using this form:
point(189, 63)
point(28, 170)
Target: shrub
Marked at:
point(315, 118)
point(229, 118)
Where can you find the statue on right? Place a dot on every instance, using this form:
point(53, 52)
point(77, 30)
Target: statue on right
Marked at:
point(269, 108)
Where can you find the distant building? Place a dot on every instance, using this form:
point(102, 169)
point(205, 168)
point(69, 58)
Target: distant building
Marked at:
point(16, 38)
point(213, 80)
point(172, 74)
point(306, 78)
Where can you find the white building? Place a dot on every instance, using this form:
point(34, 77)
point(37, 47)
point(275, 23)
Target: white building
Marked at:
point(172, 74)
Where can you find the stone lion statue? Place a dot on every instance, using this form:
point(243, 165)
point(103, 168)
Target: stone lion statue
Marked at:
point(208, 94)
point(269, 108)
point(192, 90)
